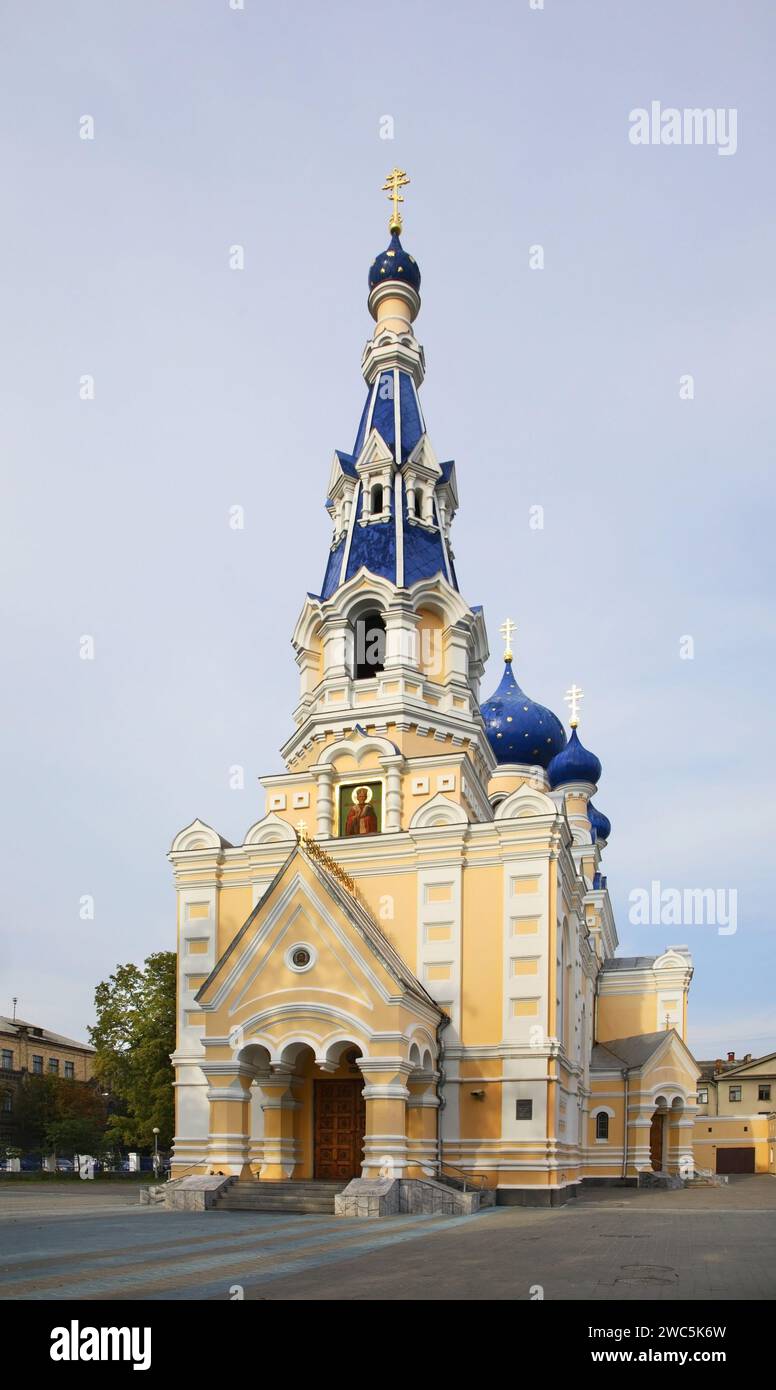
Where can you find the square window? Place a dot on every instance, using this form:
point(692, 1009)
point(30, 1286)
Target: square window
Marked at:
point(524, 1110)
point(734, 1093)
point(763, 1092)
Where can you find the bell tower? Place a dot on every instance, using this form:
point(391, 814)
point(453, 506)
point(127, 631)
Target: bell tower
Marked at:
point(389, 648)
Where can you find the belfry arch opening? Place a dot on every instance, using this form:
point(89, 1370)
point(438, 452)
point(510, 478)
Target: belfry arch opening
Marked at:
point(368, 645)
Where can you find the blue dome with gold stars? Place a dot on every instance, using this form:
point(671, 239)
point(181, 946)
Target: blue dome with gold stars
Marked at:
point(519, 730)
point(394, 264)
point(599, 822)
point(574, 764)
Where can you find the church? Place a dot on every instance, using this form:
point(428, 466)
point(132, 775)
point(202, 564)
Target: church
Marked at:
point(407, 971)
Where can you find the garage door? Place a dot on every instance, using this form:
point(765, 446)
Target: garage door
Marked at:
point(735, 1160)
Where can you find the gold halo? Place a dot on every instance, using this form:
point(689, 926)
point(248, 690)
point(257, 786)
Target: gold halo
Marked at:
point(361, 787)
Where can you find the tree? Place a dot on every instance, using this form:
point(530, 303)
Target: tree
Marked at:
point(56, 1116)
point(78, 1121)
point(34, 1110)
point(134, 1037)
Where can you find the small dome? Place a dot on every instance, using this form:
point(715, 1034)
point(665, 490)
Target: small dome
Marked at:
point(600, 823)
point(394, 264)
point(574, 764)
point(519, 730)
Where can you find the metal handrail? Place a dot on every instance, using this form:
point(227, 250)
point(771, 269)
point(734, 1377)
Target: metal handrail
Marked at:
point(465, 1175)
point(185, 1171)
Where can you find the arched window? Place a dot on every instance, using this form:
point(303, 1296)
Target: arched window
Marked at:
point(419, 503)
point(368, 646)
point(602, 1125)
point(376, 505)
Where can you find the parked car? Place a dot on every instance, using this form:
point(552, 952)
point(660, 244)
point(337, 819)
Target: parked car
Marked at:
point(65, 1165)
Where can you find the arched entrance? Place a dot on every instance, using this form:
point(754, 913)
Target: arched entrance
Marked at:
point(657, 1135)
point(338, 1116)
point(314, 1114)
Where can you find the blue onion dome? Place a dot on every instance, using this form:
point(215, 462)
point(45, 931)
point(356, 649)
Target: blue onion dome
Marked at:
point(574, 764)
point(394, 264)
point(519, 730)
point(599, 822)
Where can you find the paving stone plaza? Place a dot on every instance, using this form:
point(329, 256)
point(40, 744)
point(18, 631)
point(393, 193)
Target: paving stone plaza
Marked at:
point(74, 1242)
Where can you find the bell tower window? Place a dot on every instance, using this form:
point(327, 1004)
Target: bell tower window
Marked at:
point(377, 499)
point(368, 646)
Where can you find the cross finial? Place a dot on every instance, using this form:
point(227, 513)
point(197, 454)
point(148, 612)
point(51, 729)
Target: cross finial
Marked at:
point(301, 830)
point(573, 697)
point(506, 630)
point(396, 179)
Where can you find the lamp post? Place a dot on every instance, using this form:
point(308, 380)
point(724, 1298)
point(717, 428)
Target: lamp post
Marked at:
point(156, 1151)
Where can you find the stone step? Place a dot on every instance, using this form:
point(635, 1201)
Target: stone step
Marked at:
point(287, 1197)
point(299, 1204)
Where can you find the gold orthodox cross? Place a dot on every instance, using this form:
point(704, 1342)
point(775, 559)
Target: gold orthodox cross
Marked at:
point(301, 830)
point(572, 698)
point(396, 179)
point(506, 630)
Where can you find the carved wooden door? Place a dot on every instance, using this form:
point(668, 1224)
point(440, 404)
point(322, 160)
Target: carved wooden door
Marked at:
point(340, 1122)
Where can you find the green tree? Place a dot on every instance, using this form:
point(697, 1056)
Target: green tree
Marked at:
point(134, 1037)
point(34, 1110)
point(57, 1116)
point(78, 1121)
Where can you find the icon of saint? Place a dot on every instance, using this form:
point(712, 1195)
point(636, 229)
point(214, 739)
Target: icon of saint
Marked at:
point(361, 816)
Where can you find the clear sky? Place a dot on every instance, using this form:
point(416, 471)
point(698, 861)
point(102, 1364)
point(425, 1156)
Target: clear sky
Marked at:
point(559, 387)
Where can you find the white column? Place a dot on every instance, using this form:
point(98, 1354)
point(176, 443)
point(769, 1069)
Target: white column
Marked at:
point(393, 767)
point(334, 635)
point(324, 809)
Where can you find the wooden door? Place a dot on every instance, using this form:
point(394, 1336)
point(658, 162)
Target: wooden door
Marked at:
point(656, 1142)
point(340, 1123)
point(735, 1160)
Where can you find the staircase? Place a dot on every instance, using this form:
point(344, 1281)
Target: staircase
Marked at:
point(703, 1177)
point(282, 1197)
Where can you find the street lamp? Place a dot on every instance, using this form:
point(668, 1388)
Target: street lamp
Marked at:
point(156, 1150)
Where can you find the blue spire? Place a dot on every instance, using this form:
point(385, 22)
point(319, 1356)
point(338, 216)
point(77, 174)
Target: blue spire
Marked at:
point(390, 501)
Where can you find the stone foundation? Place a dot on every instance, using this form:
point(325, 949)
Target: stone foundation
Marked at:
point(670, 1181)
point(417, 1196)
point(535, 1196)
point(197, 1193)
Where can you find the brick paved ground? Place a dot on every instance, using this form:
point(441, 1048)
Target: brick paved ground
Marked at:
point(703, 1243)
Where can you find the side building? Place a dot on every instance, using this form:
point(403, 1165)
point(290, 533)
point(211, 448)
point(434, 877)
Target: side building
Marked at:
point(734, 1127)
point(28, 1049)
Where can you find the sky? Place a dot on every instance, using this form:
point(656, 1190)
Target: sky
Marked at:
point(625, 388)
